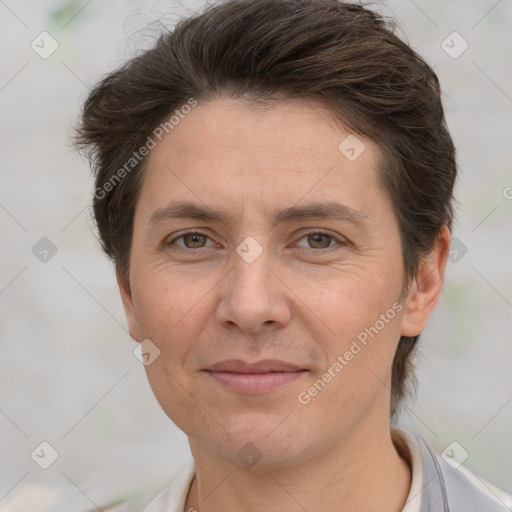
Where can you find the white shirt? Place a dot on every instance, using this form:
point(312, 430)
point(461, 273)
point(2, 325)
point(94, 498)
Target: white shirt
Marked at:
point(423, 496)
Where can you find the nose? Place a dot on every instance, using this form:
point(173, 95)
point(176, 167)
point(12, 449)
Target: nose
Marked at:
point(253, 296)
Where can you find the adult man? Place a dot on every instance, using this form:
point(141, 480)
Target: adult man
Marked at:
point(274, 183)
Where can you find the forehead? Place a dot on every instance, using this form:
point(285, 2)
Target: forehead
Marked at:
point(304, 126)
point(289, 151)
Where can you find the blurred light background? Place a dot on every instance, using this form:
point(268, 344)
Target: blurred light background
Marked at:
point(68, 375)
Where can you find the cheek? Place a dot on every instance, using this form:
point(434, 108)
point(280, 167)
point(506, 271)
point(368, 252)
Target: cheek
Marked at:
point(361, 319)
point(169, 312)
point(346, 302)
point(166, 302)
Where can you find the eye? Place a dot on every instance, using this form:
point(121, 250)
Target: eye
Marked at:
point(320, 240)
point(191, 240)
point(198, 240)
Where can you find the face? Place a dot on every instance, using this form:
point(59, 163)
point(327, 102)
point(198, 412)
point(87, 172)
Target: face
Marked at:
point(266, 271)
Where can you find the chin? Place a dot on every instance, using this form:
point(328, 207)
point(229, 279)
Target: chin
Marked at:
point(259, 438)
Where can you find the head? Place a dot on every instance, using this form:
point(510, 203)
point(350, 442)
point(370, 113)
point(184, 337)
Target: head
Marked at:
point(247, 124)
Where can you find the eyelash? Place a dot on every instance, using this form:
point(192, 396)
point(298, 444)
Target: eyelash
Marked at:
point(311, 233)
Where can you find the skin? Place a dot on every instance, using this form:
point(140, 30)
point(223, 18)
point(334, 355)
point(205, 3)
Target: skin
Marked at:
point(303, 300)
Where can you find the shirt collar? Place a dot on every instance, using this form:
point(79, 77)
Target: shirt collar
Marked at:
point(409, 442)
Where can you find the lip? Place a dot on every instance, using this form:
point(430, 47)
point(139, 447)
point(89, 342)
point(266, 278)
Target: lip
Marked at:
point(253, 378)
point(263, 366)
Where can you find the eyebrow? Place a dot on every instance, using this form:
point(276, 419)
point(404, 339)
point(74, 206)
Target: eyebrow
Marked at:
point(330, 210)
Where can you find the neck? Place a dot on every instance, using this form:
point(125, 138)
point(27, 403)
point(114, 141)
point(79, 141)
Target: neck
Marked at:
point(364, 472)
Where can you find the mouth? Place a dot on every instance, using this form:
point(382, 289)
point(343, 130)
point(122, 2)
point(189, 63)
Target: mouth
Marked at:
point(254, 378)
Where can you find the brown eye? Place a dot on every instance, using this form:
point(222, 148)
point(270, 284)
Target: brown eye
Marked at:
point(319, 240)
point(194, 240)
point(191, 240)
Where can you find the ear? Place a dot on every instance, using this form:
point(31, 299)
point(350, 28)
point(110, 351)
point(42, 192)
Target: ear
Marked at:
point(126, 297)
point(426, 288)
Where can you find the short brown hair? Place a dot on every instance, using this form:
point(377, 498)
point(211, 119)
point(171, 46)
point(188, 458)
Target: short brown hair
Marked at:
point(340, 54)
